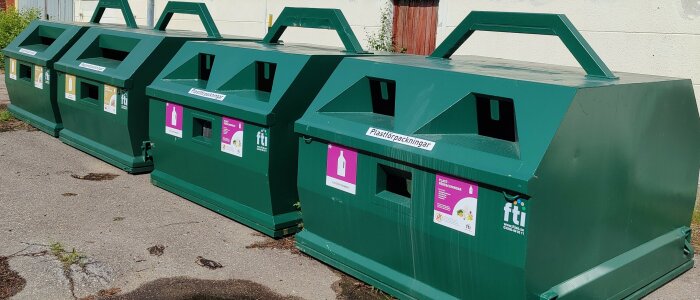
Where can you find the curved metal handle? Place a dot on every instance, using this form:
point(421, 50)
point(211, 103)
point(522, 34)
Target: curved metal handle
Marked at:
point(190, 8)
point(122, 5)
point(321, 18)
point(528, 23)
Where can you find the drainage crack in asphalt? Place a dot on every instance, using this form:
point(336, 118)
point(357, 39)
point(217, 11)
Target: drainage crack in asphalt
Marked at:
point(74, 266)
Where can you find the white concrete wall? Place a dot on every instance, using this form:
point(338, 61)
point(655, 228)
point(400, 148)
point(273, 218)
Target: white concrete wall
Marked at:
point(249, 17)
point(660, 37)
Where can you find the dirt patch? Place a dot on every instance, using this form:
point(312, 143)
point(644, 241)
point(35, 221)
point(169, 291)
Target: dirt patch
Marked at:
point(183, 288)
point(96, 176)
point(9, 123)
point(69, 194)
point(349, 288)
point(10, 281)
point(102, 294)
point(117, 219)
point(207, 263)
point(286, 243)
point(156, 250)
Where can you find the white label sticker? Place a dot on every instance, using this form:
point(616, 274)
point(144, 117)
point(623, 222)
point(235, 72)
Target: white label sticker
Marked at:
point(92, 67)
point(173, 119)
point(401, 139)
point(232, 136)
point(455, 203)
point(110, 99)
point(27, 51)
point(38, 77)
point(341, 168)
point(205, 94)
point(13, 69)
point(70, 87)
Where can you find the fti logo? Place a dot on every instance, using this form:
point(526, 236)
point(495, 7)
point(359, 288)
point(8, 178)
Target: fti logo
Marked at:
point(125, 100)
point(514, 216)
point(262, 140)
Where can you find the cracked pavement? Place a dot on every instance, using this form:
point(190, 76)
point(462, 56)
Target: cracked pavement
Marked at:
point(114, 222)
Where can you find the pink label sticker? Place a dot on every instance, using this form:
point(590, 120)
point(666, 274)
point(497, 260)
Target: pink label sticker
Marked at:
point(455, 203)
point(341, 168)
point(173, 119)
point(232, 136)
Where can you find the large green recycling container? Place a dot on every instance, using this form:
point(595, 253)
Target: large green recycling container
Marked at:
point(102, 82)
point(29, 73)
point(222, 117)
point(481, 178)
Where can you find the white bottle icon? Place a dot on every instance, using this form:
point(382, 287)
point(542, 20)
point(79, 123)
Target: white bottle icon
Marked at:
point(471, 190)
point(70, 84)
point(173, 117)
point(341, 165)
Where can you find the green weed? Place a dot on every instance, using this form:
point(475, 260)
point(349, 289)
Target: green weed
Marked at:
point(5, 115)
point(66, 257)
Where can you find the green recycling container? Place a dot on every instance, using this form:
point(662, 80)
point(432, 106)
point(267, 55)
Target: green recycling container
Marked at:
point(482, 178)
point(102, 82)
point(29, 69)
point(222, 119)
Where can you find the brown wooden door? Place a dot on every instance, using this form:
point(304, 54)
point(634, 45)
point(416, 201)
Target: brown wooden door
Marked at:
point(415, 26)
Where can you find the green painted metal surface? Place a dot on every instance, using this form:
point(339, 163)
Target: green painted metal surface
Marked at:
point(29, 72)
point(102, 82)
point(482, 178)
point(222, 116)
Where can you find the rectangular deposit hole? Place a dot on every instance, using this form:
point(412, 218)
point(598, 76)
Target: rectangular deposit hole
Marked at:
point(25, 72)
point(206, 62)
point(383, 94)
point(114, 54)
point(496, 117)
point(46, 40)
point(89, 91)
point(395, 181)
point(265, 75)
point(201, 128)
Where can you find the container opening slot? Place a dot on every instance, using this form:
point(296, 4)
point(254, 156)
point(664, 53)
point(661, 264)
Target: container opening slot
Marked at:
point(201, 128)
point(47, 40)
point(206, 62)
point(496, 117)
point(42, 35)
point(395, 181)
point(25, 72)
point(114, 54)
point(265, 75)
point(89, 91)
point(383, 93)
point(110, 49)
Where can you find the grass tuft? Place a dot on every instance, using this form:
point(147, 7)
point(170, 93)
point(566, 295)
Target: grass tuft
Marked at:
point(68, 258)
point(5, 115)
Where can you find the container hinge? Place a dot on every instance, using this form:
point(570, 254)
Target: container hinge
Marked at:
point(146, 149)
point(688, 250)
